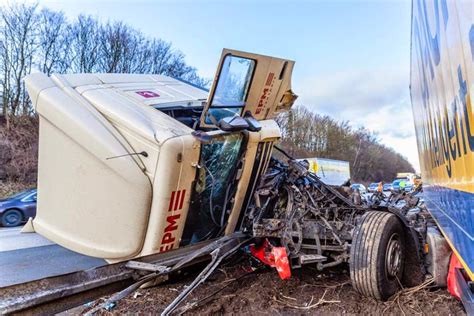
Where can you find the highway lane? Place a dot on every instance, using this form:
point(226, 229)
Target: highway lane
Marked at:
point(29, 256)
point(12, 239)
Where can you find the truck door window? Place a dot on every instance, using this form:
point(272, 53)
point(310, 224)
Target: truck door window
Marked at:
point(232, 87)
point(214, 189)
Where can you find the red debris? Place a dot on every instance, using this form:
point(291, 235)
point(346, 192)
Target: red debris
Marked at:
point(275, 257)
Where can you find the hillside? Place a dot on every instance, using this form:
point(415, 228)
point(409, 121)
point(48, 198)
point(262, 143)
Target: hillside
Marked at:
point(18, 154)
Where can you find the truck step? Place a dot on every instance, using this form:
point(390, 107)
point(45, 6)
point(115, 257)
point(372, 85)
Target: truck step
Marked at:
point(304, 259)
point(298, 261)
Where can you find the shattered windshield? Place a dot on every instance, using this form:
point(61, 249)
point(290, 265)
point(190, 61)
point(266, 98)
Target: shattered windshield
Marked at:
point(214, 187)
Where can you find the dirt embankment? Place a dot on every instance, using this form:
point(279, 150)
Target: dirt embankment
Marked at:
point(18, 155)
point(263, 293)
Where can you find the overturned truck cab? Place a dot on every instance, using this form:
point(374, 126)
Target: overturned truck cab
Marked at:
point(131, 165)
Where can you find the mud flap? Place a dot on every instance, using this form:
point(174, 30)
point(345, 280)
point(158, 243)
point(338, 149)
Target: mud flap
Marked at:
point(459, 286)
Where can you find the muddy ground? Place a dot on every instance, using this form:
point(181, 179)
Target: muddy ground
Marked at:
point(245, 291)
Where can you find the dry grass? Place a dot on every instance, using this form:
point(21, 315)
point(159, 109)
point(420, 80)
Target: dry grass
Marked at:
point(9, 188)
point(19, 151)
point(308, 292)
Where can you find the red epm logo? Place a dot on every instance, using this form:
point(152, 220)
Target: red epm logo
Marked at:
point(176, 205)
point(266, 91)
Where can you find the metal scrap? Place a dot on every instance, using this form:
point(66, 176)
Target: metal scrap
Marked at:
point(303, 214)
point(295, 209)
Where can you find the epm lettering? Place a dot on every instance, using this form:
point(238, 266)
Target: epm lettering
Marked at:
point(175, 206)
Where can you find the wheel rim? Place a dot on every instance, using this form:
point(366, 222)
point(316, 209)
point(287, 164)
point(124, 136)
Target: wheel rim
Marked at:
point(293, 238)
point(12, 218)
point(393, 257)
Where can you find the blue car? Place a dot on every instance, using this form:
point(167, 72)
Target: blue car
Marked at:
point(396, 185)
point(16, 209)
point(373, 187)
point(409, 187)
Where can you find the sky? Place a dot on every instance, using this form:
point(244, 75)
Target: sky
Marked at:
point(352, 57)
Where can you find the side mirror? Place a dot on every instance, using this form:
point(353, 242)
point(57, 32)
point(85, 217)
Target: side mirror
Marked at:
point(254, 125)
point(232, 124)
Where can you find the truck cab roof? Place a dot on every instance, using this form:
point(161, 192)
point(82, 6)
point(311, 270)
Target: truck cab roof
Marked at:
point(153, 90)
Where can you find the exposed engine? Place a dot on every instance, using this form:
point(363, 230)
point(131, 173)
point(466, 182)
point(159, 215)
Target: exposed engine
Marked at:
point(295, 209)
point(314, 221)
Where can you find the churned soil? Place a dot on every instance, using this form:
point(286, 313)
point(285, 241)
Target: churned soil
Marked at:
point(241, 288)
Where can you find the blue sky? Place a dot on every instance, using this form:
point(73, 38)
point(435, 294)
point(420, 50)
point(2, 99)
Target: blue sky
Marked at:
point(352, 57)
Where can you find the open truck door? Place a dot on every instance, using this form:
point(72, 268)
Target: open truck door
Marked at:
point(248, 85)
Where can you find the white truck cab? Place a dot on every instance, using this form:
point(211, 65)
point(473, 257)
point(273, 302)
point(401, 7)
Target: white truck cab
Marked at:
point(131, 165)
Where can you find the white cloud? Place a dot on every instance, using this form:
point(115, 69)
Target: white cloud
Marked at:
point(378, 100)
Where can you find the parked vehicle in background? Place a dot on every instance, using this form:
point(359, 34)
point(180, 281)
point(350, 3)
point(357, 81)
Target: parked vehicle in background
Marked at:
point(396, 185)
point(330, 171)
point(409, 176)
point(373, 187)
point(16, 209)
point(360, 187)
point(387, 187)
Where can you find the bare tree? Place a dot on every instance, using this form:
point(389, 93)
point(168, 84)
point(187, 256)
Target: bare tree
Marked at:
point(307, 134)
point(113, 41)
point(85, 42)
point(125, 50)
point(46, 41)
point(53, 54)
point(19, 43)
point(161, 54)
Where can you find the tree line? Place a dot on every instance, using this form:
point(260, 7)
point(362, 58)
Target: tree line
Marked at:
point(307, 134)
point(43, 40)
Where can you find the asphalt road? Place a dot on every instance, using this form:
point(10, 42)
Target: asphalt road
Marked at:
point(29, 256)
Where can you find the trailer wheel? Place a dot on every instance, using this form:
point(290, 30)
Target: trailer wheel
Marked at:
point(377, 255)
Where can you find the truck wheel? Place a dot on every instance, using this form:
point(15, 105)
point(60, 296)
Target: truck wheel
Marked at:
point(377, 255)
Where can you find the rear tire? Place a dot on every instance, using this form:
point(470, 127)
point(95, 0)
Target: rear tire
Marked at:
point(377, 256)
point(12, 218)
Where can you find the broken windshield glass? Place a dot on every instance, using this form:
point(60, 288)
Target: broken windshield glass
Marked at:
point(214, 187)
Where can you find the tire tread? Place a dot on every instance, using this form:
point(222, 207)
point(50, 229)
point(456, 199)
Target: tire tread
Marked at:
point(364, 250)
